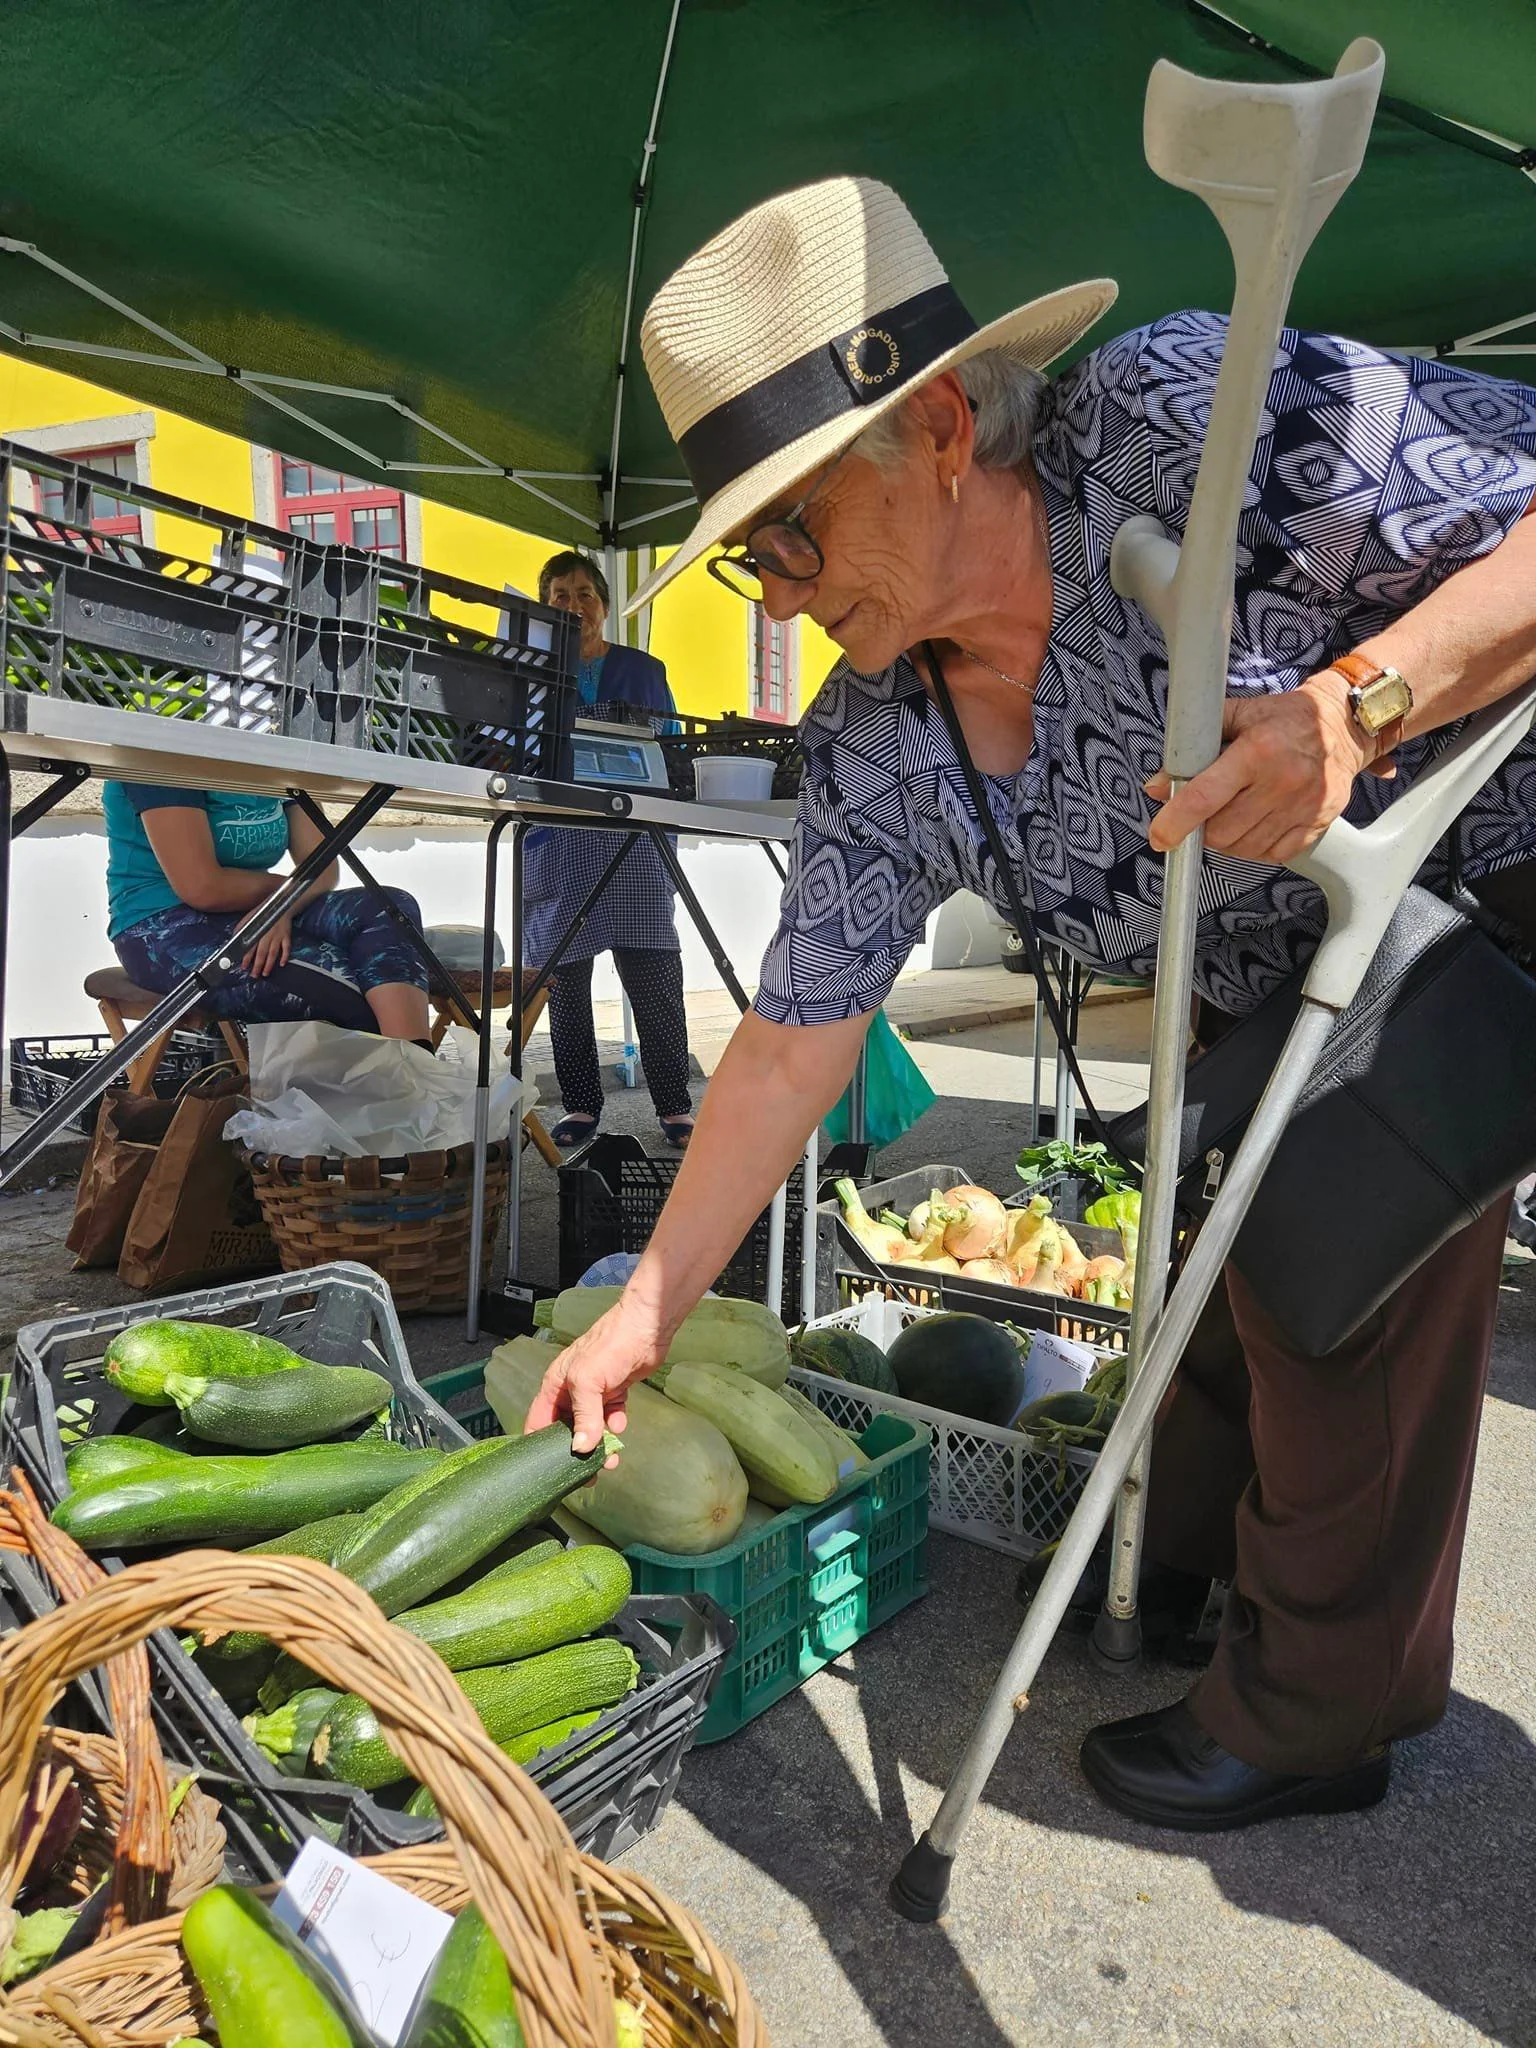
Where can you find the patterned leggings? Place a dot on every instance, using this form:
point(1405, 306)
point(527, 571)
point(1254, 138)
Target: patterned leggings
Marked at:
point(653, 981)
point(343, 943)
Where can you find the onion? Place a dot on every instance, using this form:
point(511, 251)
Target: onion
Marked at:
point(977, 1225)
point(996, 1270)
point(917, 1222)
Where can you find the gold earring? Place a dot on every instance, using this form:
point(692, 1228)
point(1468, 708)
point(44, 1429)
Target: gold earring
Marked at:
point(954, 489)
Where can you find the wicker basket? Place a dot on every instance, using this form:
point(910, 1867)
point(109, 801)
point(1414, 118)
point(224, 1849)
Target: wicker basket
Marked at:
point(407, 1218)
point(575, 1933)
point(154, 1862)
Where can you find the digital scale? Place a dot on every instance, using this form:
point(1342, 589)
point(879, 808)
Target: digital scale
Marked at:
point(618, 757)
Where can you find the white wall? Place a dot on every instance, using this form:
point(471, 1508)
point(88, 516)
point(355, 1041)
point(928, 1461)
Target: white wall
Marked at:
point(58, 928)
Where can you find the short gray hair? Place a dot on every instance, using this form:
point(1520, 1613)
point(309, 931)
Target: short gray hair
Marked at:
point(1007, 396)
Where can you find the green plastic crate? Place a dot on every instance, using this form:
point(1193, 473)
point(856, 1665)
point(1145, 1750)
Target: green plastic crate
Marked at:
point(802, 1588)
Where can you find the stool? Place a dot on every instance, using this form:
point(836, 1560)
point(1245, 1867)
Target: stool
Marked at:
point(461, 948)
point(122, 1002)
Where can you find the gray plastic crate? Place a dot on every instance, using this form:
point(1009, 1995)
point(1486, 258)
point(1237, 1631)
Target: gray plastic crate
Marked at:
point(845, 1272)
point(302, 638)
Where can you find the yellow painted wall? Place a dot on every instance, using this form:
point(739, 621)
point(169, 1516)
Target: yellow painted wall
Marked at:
point(698, 628)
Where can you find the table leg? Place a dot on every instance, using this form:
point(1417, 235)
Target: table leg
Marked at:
point(483, 1074)
point(188, 992)
point(416, 936)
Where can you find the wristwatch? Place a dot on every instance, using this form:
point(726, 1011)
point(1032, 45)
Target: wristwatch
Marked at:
point(1379, 698)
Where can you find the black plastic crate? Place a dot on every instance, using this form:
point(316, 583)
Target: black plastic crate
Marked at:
point(42, 1068)
point(312, 641)
point(612, 1192)
point(732, 734)
point(845, 1272)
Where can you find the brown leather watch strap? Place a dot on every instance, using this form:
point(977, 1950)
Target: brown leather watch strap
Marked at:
point(1360, 671)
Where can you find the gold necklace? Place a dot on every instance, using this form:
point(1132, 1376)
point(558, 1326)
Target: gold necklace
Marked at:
point(1002, 674)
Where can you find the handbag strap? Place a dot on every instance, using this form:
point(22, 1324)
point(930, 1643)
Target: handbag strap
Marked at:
point(1023, 915)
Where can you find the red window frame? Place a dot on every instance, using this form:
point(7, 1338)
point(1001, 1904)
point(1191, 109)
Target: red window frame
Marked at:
point(307, 490)
point(773, 678)
point(124, 524)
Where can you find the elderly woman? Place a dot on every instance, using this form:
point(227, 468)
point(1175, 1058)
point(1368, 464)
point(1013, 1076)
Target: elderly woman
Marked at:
point(916, 487)
point(633, 918)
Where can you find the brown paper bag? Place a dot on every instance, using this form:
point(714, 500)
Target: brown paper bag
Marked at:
point(196, 1217)
point(123, 1149)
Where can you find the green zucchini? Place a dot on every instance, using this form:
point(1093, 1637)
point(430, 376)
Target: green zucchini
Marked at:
point(286, 1736)
point(400, 1497)
point(319, 1540)
point(324, 1540)
point(509, 1698)
point(105, 1457)
point(139, 1358)
point(235, 1500)
point(278, 1410)
point(532, 1610)
point(263, 1987)
point(470, 1511)
point(289, 1675)
point(770, 1439)
point(522, 1749)
point(468, 2000)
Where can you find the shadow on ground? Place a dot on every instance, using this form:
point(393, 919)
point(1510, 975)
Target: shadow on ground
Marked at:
point(1425, 1887)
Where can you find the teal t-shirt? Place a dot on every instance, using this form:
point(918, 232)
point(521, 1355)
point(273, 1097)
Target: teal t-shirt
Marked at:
point(248, 832)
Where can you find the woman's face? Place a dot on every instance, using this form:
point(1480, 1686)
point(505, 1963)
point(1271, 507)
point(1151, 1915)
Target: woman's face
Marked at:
point(576, 592)
point(882, 537)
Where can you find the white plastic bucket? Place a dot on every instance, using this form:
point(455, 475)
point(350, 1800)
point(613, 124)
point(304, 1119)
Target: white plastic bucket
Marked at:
point(732, 779)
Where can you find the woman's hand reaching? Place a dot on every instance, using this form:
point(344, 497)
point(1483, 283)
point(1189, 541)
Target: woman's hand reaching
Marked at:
point(589, 1379)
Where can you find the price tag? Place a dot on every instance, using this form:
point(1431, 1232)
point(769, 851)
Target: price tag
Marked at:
point(377, 1940)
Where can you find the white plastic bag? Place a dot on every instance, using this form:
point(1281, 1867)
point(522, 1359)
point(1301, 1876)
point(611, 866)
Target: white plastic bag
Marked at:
point(316, 1088)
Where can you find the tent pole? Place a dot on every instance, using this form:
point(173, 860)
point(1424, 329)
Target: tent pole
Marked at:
point(621, 368)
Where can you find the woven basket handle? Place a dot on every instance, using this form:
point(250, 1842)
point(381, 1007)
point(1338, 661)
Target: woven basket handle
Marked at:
point(520, 1864)
point(143, 1856)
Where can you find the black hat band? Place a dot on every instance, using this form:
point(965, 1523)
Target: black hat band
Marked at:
point(853, 369)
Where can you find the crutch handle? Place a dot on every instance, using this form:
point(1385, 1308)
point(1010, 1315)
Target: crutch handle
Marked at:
point(1363, 870)
point(1271, 162)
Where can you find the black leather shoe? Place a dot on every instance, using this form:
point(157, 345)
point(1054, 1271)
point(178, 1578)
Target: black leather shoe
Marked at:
point(1164, 1769)
point(1169, 1604)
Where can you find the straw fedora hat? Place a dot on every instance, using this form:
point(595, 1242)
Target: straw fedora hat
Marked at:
point(800, 324)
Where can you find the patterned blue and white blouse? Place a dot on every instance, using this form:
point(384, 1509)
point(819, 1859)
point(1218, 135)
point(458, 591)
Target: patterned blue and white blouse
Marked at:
point(1375, 477)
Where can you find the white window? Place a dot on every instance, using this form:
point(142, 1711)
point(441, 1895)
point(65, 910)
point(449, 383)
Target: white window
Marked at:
point(773, 684)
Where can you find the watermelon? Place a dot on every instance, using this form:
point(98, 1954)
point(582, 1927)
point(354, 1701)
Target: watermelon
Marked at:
point(964, 1364)
point(843, 1355)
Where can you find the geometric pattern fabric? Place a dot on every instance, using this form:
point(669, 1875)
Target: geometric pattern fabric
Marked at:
point(1374, 478)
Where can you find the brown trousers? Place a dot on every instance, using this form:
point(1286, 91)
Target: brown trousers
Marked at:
point(1333, 1493)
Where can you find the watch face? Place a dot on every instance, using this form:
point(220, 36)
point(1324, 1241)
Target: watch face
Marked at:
point(1388, 698)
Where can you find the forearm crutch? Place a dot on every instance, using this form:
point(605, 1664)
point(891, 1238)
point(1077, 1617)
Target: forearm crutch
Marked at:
point(1271, 161)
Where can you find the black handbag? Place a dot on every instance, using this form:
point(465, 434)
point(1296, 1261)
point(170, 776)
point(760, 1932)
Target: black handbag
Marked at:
point(1419, 1117)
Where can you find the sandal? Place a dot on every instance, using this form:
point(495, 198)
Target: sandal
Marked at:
point(677, 1130)
point(572, 1130)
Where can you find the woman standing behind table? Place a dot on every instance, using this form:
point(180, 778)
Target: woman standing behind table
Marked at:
point(632, 919)
point(186, 867)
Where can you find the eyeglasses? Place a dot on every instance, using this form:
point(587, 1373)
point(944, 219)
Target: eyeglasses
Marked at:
point(782, 546)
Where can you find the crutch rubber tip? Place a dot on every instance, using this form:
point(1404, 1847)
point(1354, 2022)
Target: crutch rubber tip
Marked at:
point(1116, 1640)
point(920, 1889)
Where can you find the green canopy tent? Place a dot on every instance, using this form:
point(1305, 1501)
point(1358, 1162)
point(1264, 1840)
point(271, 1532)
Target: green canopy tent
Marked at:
point(416, 241)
